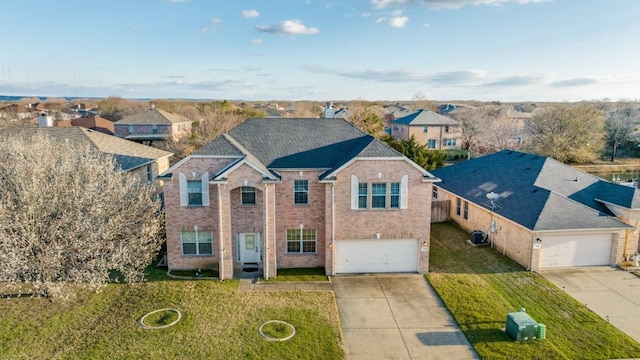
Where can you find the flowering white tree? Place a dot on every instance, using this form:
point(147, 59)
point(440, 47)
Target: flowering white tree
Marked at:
point(69, 215)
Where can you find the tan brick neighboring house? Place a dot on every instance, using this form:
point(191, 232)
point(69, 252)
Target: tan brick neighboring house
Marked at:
point(540, 212)
point(293, 193)
point(153, 127)
point(429, 128)
point(144, 161)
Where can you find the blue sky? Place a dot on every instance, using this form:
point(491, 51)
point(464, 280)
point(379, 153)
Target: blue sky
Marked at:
point(504, 50)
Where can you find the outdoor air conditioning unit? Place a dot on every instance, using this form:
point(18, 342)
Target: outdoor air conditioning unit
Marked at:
point(478, 237)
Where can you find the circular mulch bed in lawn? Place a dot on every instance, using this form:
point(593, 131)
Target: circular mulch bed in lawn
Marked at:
point(277, 330)
point(159, 319)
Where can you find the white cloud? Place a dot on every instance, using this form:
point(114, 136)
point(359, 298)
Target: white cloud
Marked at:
point(399, 21)
point(204, 30)
point(380, 19)
point(216, 21)
point(256, 41)
point(250, 13)
point(448, 4)
point(288, 27)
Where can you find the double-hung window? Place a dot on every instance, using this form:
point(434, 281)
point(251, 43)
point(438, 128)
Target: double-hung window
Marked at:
point(378, 195)
point(363, 193)
point(434, 193)
point(394, 196)
point(194, 189)
point(248, 195)
point(465, 213)
point(458, 206)
point(197, 242)
point(425, 128)
point(431, 143)
point(301, 241)
point(301, 191)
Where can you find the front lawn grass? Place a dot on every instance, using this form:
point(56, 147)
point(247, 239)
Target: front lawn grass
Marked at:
point(300, 274)
point(480, 286)
point(217, 323)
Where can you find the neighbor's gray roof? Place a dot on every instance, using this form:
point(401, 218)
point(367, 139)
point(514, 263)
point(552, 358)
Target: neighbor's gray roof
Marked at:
point(288, 143)
point(128, 154)
point(425, 117)
point(153, 117)
point(537, 192)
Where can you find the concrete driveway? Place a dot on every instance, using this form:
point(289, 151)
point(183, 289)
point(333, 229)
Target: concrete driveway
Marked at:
point(396, 317)
point(609, 292)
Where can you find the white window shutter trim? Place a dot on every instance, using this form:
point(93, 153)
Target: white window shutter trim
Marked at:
point(404, 191)
point(205, 189)
point(354, 192)
point(184, 195)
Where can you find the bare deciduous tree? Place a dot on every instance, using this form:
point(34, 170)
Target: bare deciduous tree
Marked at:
point(68, 215)
point(619, 125)
point(567, 133)
point(473, 122)
point(367, 117)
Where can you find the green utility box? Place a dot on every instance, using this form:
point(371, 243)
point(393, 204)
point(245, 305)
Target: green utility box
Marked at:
point(521, 326)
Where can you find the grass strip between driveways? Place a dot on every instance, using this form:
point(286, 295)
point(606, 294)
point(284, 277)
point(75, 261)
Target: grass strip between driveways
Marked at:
point(218, 322)
point(480, 286)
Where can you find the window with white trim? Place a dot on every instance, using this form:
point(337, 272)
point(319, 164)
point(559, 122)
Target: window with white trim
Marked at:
point(425, 128)
point(446, 128)
point(378, 195)
point(131, 129)
point(431, 143)
point(194, 189)
point(197, 242)
point(154, 129)
point(458, 206)
point(248, 195)
point(465, 213)
point(363, 194)
point(149, 173)
point(301, 191)
point(301, 241)
point(434, 193)
point(394, 196)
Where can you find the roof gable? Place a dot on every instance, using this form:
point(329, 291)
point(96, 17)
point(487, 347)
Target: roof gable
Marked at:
point(153, 116)
point(425, 117)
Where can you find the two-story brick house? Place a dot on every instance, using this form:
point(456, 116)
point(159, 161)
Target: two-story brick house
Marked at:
point(153, 127)
point(292, 193)
point(429, 128)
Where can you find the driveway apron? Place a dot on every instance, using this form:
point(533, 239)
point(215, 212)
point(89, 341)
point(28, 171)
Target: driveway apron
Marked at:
point(396, 317)
point(609, 292)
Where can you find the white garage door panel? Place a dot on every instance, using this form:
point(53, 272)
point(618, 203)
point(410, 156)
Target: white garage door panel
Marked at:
point(373, 256)
point(576, 250)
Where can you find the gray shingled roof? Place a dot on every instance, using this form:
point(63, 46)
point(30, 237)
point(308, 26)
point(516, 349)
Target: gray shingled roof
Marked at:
point(425, 117)
point(153, 116)
point(128, 154)
point(299, 143)
point(537, 192)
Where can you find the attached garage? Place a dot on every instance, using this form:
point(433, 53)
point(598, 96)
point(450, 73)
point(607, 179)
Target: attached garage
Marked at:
point(376, 256)
point(576, 250)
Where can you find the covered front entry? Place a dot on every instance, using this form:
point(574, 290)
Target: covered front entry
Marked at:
point(575, 250)
point(376, 256)
point(249, 248)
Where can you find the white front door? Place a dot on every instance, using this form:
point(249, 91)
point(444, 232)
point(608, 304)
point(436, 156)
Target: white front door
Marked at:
point(249, 247)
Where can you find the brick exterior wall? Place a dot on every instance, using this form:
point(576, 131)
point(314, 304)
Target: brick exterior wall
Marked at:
point(275, 212)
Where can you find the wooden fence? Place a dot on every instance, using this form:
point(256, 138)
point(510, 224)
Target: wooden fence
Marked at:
point(440, 210)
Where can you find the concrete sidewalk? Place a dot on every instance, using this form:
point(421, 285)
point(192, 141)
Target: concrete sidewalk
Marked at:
point(396, 317)
point(612, 293)
point(252, 285)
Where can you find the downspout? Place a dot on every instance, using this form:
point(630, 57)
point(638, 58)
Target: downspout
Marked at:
point(221, 266)
point(266, 232)
point(531, 251)
point(333, 229)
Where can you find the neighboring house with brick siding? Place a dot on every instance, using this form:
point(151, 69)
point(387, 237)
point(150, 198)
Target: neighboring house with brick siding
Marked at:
point(542, 213)
point(153, 127)
point(297, 193)
point(144, 161)
point(429, 128)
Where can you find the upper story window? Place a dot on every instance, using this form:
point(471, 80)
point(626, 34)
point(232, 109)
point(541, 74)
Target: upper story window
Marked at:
point(149, 173)
point(154, 129)
point(446, 128)
point(378, 195)
point(248, 195)
point(425, 128)
point(301, 191)
point(301, 241)
point(194, 192)
point(363, 194)
point(132, 129)
point(394, 197)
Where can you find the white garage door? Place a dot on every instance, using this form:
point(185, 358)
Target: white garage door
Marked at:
point(577, 250)
point(375, 256)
